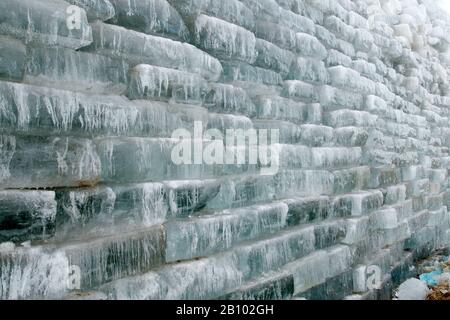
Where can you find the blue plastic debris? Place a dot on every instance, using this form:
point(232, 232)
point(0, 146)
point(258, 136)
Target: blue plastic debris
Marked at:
point(431, 278)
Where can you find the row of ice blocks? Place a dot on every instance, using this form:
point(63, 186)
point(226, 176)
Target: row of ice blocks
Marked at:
point(58, 161)
point(235, 18)
point(304, 252)
point(150, 73)
point(311, 255)
point(221, 38)
point(87, 121)
point(84, 213)
point(99, 74)
point(30, 109)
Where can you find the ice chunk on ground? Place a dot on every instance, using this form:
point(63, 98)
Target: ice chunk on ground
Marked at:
point(413, 289)
point(77, 71)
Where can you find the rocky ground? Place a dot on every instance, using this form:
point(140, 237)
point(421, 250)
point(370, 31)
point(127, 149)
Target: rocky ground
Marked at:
point(432, 282)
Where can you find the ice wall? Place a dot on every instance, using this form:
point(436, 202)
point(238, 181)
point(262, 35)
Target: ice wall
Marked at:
point(92, 205)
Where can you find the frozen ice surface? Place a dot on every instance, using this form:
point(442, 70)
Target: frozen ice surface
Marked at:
point(96, 9)
point(413, 289)
point(94, 180)
point(272, 57)
point(224, 40)
point(226, 98)
point(308, 45)
point(246, 73)
point(309, 70)
point(43, 21)
point(150, 16)
point(136, 48)
point(222, 230)
point(151, 161)
point(158, 83)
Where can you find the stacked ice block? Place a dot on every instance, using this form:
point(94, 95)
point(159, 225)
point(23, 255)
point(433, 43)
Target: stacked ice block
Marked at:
point(93, 206)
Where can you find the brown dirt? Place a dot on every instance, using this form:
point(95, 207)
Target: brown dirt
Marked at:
point(440, 292)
